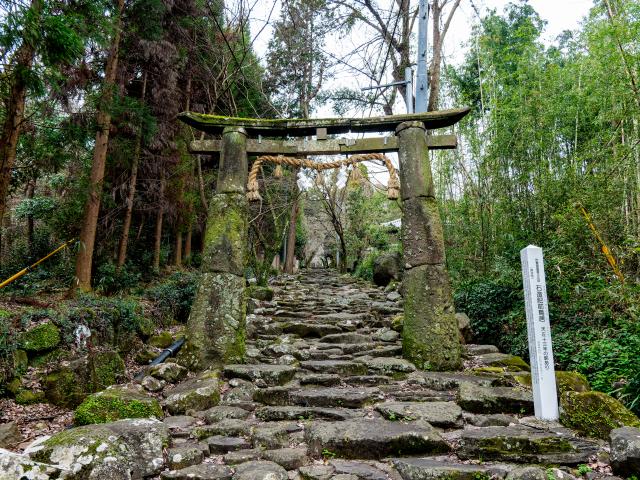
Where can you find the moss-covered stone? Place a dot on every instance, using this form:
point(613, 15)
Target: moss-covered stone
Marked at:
point(511, 363)
point(145, 355)
point(565, 381)
point(116, 403)
point(198, 394)
point(14, 386)
point(47, 358)
point(105, 368)
point(264, 294)
point(20, 362)
point(397, 322)
point(68, 386)
point(122, 449)
point(161, 340)
point(595, 413)
point(40, 338)
point(29, 397)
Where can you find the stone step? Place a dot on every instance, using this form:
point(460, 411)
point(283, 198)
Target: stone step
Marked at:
point(271, 414)
point(372, 439)
point(336, 397)
point(341, 367)
point(446, 469)
point(477, 399)
point(270, 375)
point(522, 444)
point(439, 414)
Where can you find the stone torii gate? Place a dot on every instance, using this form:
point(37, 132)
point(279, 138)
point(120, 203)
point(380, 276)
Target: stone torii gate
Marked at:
point(216, 326)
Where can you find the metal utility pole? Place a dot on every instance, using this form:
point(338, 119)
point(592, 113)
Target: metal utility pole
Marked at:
point(408, 94)
point(422, 80)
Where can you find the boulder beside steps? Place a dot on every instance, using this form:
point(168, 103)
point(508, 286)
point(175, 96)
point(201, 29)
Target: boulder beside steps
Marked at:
point(326, 395)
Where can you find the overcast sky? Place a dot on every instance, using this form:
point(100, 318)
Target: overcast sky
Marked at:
point(560, 15)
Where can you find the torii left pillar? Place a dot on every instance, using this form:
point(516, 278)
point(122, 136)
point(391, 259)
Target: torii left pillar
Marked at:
point(217, 323)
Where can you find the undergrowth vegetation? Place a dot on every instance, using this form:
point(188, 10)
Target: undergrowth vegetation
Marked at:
point(594, 324)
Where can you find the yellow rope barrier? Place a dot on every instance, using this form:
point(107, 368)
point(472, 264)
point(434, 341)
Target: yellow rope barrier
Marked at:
point(611, 260)
point(24, 271)
point(253, 194)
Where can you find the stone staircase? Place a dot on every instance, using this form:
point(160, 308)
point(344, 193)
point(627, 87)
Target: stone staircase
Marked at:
point(325, 394)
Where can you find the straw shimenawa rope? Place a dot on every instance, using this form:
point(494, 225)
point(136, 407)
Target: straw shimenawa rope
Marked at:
point(253, 194)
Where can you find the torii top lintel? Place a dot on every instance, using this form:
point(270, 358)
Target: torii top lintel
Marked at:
point(307, 127)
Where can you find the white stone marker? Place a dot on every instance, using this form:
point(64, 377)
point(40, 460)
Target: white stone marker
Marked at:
point(543, 378)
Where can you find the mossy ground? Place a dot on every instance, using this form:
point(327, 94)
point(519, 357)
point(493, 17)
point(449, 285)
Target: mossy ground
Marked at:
point(109, 407)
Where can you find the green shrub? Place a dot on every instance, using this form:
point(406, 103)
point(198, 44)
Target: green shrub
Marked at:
point(364, 269)
point(110, 319)
point(8, 345)
point(173, 297)
point(109, 279)
point(489, 304)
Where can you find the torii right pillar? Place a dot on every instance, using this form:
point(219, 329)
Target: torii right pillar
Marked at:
point(430, 336)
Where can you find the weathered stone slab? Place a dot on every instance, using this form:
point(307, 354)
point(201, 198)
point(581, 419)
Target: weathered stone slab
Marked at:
point(388, 365)
point(595, 413)
point(274, 396)
point(271, 375)
point(473, 349)
point(221, 444)
point(205, 471)
point(625, 450)
point(9, 434)
point(183, 457)
point(450, 381)
point(360, 469)
point(510, 362)
point(477, 399)
point(229, 427)
point(309, 329)
point(260, 470)
point(273, 414)
point(288, 458)
point(197, 394)
point(370, 380)
point(324, 379)
point(373, 438)
point(168, 371)
point(524, 445)
point(346, 338)
point(445, 469)
point(342, 367)
point(336, 397)
point(317, 472)
point(440, 414)
point(242, 456)
point(274, 434)
point(224, 412)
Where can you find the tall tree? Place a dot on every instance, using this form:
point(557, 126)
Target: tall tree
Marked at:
point(103, 125)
